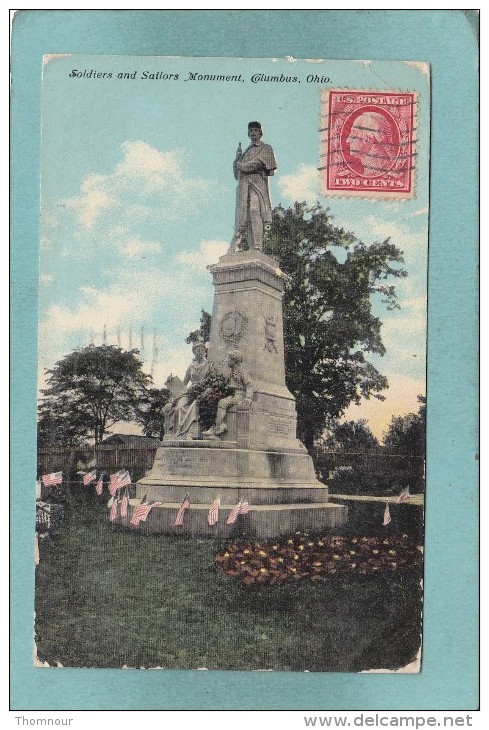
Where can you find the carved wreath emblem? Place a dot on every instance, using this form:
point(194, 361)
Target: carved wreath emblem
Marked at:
point(233, 326)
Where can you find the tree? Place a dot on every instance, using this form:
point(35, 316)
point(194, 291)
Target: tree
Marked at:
point(150, 411)
point(329, 326)
point(91, 389)
point(56, 425)
point(204, 331)
point(352, 436)
point(407, 434)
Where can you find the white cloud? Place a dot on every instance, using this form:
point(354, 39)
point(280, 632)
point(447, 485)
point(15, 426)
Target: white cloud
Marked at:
point(135, 247)
point(146, 182)
point(207, 253)
point(416, 305)
point(300, 186)
point(149, 165)
point(399, 234)
point(97, 308)
point(92, 201)
point(46, 279)
point(401, 326)
point(66, 327)
point(404, 337)
point(135, 297)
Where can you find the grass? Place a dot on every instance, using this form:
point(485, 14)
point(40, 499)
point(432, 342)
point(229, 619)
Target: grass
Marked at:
point(111, 597)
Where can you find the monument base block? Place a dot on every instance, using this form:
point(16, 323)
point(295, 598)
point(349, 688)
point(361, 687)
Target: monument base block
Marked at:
point(262, 521)
point(280, 487)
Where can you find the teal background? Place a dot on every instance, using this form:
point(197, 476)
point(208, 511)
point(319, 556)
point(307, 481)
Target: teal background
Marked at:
point(448, 40)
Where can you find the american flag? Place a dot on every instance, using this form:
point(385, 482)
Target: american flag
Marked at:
point(113, 509)
point(100, 485)
point(140, 514)
point(245, 507)
point(213, 515)
point(387, 515)
point(142, 511)
point(124, 503)
point(89, 478)
point(114, 482)
point(118, 480)
point(51, 480)
point(184, 506)
point(233, 515)
point(153, 504)
point(404, 495)
point(125, 480)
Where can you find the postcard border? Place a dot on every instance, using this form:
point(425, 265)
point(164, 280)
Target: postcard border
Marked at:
point(449, 676)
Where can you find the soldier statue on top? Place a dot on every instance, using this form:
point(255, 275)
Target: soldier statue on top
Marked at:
point(252, 169)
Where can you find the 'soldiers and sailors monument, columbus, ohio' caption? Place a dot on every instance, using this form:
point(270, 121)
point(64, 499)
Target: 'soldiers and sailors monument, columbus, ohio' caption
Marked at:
point(146, 75)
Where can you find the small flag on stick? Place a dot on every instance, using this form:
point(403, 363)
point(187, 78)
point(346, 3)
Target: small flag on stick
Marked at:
point(125, 480)
point(150, 507)
point(139, 511)
point(404, 495)
point(119, 480)
point(140, 514)
point(142, 511)
point(89, 478)
point(242, 508)
point(100, 485)
point(213, 515)
point(124, 503)
point(387, 515)
point(113, 509)
point(114, 482)
point(245, 507)
point(51, 480)
point(233, 515)
point(181, 512)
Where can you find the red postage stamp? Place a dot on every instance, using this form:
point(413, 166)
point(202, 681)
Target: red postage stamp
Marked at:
point(368, 143)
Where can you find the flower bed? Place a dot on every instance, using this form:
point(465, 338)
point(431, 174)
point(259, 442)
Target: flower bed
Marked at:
point(317, 557)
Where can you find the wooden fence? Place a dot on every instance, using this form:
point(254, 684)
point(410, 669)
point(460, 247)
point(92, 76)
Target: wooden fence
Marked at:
point(70, 459)
point(139, 459)
point(372, 462)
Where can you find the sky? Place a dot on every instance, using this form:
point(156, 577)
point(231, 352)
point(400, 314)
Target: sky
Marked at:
point(138, 197)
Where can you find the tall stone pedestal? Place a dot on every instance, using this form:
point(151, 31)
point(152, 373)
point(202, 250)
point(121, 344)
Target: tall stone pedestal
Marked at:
point(261, 458)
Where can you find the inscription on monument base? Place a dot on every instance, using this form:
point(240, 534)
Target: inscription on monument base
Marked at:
point(281, 426)
point(177, 463)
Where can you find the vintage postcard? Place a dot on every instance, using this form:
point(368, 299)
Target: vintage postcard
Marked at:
point(232, 359)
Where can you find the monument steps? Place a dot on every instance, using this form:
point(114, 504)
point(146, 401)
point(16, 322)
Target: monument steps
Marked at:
point(256, 494)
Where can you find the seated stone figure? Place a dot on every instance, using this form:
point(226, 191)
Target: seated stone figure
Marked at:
point(242, 386)
point(181, 416)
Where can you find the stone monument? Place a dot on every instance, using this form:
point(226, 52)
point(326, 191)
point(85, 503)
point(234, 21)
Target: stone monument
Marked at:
point(251, 452)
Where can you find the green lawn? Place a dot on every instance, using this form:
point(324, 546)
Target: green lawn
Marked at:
point(108, 598)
